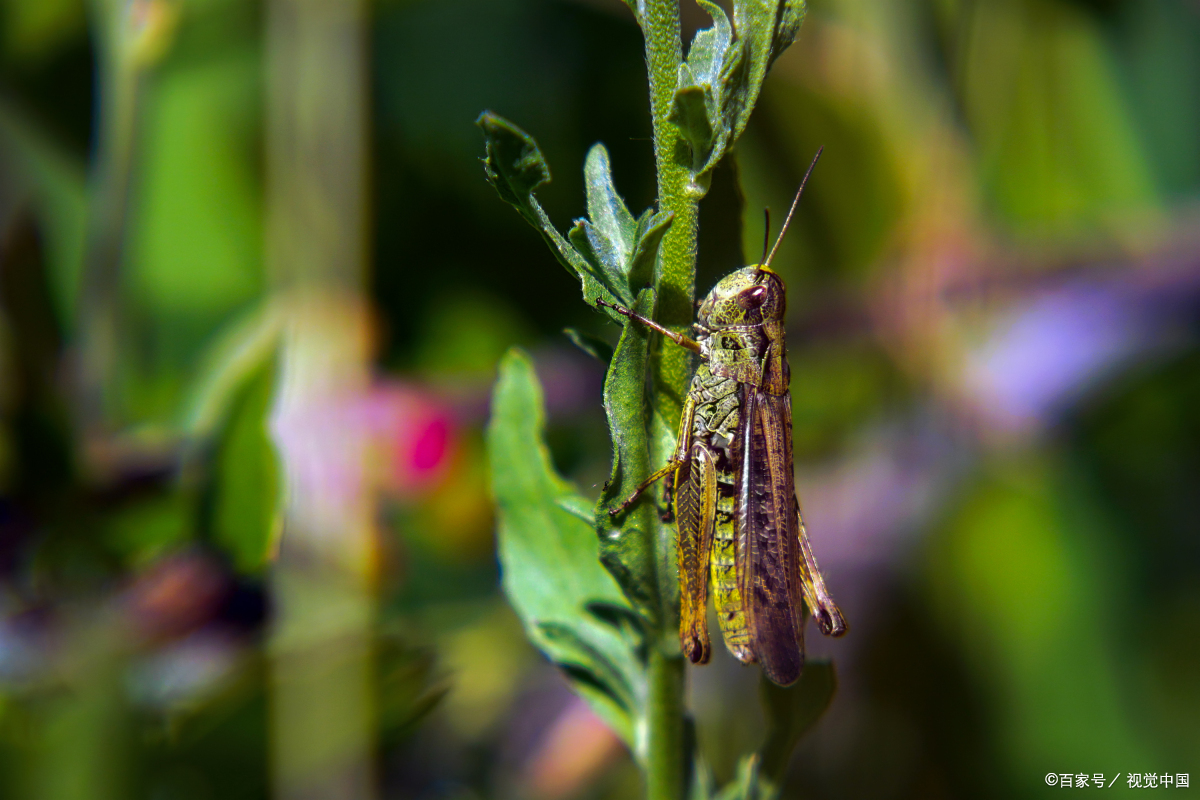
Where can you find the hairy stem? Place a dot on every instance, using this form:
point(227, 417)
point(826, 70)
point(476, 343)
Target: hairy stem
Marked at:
point(676, 278)
point(671, 369)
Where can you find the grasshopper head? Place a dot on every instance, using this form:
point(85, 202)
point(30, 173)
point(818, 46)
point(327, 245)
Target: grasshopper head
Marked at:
point(750, 296)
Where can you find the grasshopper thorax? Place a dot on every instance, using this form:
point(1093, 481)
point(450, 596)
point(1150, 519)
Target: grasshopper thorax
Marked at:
point(750, 296)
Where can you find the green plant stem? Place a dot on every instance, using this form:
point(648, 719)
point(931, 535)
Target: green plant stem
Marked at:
point(665, 768)
point(676, 279)
point(671, 367)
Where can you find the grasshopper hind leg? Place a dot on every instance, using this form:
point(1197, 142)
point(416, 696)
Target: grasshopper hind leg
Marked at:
point(695, 503)
point(828, 616)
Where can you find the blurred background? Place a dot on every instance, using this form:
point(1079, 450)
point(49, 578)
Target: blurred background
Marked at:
point(253, 288)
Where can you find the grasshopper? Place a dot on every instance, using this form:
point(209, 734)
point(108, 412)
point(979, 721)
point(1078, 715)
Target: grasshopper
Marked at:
point(737, 515)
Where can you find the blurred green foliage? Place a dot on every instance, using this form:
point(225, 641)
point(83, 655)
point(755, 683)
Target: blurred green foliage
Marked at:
point(1037, 613)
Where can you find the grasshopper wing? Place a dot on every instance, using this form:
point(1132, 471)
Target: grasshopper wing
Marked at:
point(768, 537)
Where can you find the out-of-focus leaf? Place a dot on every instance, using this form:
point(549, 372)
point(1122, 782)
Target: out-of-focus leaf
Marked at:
point(34, 31)
point(579, 506)
point(790, 713)
point(746, 784)
point(145, 530)
point(1058, 147)
point(408, 687)
point(196, 235)
point(703, 785)
point(549, 557)
point(247, 503)
point(57, 186)
point(236, 353)
point(627, 543)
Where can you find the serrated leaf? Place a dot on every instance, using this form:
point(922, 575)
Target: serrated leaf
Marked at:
point(247, 500)
point(548, 555)
point(516, 167)
point(627, 543)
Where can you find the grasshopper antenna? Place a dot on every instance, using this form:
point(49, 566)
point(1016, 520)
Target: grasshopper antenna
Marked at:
point(766, 232)
point(792, 210)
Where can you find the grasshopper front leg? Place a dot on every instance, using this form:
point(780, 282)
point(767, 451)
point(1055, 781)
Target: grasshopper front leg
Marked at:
point(678, 458)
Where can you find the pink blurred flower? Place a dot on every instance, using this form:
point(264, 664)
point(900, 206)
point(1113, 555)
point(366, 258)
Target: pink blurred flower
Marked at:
point(415, 436)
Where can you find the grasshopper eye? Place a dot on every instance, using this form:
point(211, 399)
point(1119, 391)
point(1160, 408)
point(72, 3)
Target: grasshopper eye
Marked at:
point(752, 297)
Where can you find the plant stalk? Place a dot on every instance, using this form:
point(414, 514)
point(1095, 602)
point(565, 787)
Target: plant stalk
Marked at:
point(666, 769)
point(675, 282)
point(671, 368)
point(108, 206)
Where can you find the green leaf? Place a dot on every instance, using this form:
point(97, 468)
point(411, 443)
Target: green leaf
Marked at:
point(651, 229)
point(719, 84)
point(551, 573)
point(766, 28)
point(624, 248)
point(791, 17)
point(627, 543)
point(790, 713)
point(745, 784)
point(516, 167)
point(691, 113)
point(247, 512)
point(606, 209)
point(710, 47)
point(238, 351)
point(577, 506)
